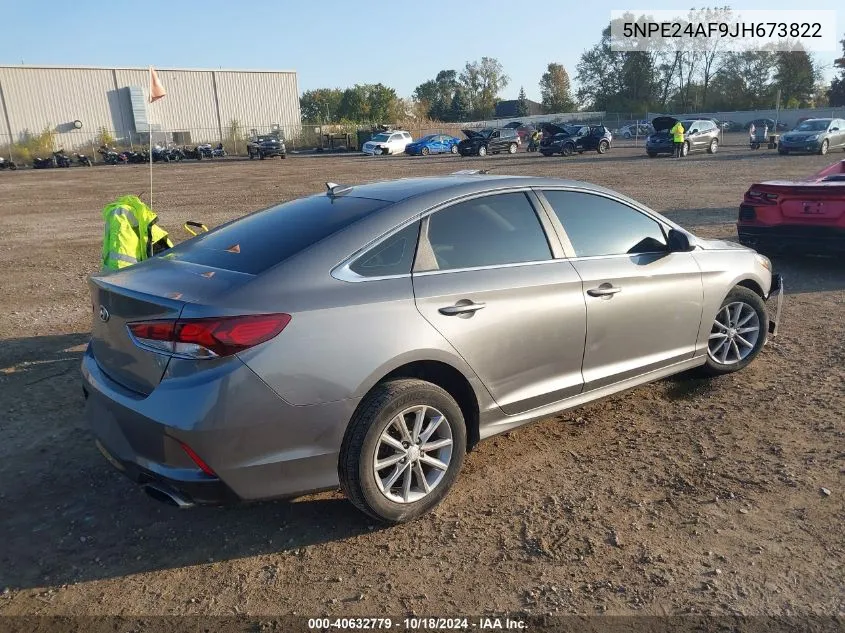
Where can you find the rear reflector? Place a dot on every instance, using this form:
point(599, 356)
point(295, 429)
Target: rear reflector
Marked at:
point(197, 460)
point(208, 338)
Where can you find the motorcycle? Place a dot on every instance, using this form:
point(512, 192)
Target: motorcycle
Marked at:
point(218, 152)
point(44, 163)
point(205, 150)
point(195, 153)
point(110, 157)
point(62, 159)
point(83, 160)
point(137, 157)
point(7, 164)
point(175, 154)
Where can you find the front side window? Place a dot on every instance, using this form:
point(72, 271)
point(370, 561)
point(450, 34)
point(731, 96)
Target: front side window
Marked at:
point(394, 255)
point(489, 231)
point(396, 137)
point(598, 226)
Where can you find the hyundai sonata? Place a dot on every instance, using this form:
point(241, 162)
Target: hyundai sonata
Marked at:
point(369, 336)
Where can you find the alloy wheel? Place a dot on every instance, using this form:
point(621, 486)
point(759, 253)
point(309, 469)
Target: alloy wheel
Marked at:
point(734, 335)
point(413, 454)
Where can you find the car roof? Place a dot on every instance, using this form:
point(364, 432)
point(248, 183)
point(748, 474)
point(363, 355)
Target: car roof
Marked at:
point(454, 185)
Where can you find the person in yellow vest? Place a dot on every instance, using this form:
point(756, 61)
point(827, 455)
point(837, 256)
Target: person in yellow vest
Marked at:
point(131, 233)
point(677, 133)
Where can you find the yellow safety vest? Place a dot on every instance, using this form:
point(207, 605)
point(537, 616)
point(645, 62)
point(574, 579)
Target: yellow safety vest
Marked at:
point(131, 234)
point(677, 132)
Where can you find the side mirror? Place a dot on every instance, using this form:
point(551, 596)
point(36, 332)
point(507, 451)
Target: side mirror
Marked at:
point(694, 131)
point(678, 242)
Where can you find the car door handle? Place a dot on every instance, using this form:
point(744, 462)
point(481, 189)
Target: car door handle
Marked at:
point(605, 290)
point(461, 308)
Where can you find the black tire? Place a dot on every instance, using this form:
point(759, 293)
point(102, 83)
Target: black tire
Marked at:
point(651, 154)
point(371, 418)
point(251, 155)
point(603, 147)
point(752, 299)
point(566, 150)
point(824, 147)
point(284, 156)
point(13, 166)
point(713, 147)
point(425, 151)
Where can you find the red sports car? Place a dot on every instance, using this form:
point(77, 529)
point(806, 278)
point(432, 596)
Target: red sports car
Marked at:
point(796, 215)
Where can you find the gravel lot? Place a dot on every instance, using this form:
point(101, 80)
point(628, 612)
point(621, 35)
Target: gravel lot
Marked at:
point(684, 496)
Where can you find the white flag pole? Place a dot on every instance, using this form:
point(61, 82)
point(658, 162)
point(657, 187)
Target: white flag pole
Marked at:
point(150, 124)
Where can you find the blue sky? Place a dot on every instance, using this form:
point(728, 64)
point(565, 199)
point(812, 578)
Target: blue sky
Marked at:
point(330, 43)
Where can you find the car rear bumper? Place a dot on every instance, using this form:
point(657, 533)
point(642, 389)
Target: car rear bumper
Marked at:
point(793, 238)
point(258, 445)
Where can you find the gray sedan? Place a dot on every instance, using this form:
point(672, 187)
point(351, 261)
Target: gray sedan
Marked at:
point(815, 136)
point(369, 336)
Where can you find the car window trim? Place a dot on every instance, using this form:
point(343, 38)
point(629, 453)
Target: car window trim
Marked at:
point(564, 236)
point(343, 272)
point(425, 250)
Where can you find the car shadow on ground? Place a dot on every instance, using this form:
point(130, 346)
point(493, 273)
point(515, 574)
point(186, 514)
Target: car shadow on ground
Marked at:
point(68, 516)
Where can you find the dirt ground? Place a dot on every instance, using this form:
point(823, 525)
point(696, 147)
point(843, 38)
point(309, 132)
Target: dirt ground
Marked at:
point(685, 496)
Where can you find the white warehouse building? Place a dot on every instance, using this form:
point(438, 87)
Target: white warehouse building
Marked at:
point(77, 103)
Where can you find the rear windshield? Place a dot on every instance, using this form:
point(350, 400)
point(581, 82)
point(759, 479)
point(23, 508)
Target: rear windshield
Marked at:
point(261, 240)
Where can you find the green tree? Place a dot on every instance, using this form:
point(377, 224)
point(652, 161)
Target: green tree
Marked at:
point(383, 103)
point(836, 94)
point(320, 105)
point(556, 90)
point(461, 107)
point(482, 81)
point(522, 103)
point(744, 81)
point(795, 75)
point(436, 94)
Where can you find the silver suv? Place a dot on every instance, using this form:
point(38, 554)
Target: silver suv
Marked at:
point(370, 336)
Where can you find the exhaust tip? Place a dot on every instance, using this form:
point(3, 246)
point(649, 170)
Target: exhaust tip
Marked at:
point(167, 497)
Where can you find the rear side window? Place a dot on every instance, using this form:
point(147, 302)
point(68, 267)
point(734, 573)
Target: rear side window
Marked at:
point(259, 241)
point(394, 255)
point(488, 231)
point(597, 225)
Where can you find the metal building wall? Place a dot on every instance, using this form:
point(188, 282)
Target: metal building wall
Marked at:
point(202, 102)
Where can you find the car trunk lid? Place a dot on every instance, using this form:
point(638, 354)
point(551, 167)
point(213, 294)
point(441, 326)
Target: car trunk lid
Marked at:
point(823, 201)
point(152, 290)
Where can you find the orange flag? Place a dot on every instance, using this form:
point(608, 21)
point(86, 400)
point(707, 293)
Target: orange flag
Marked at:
point(157, 91)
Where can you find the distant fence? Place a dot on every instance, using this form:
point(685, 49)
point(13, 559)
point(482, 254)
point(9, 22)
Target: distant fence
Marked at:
point(24, 148)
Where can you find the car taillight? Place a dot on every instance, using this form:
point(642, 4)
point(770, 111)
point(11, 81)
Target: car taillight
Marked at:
point(208, 338)
point(762, 196)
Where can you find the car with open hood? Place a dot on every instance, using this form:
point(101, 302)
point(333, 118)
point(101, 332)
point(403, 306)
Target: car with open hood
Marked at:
point(699, 135)
point(796, 216)
point(568, 139)
point(490, 140)
point(816, 136)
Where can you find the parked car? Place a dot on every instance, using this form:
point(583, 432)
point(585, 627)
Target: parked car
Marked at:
point(578, 139)
point(770, 123)
point(384, 143)
point(266, 147)
point(699, 135)
point(817, 136)
point(433, 144)
point(491, 140)
point(731, 126)
point(523, 130)
point(635, 130)
point(370, 336)
point(798, 217)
